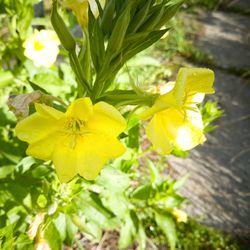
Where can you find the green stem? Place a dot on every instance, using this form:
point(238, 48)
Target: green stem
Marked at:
point(128, 97)
point(79, 73)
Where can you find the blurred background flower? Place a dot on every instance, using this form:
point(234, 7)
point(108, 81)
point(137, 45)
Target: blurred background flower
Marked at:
point(42, 48)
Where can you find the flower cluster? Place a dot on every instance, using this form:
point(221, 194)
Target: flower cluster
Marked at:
point(81, 140)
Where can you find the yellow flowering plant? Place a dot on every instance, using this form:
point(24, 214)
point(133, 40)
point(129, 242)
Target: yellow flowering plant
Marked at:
point(84, 137)
point(176, 118)
point(94, 137)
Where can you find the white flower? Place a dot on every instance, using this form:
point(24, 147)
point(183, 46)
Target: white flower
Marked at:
point(42, 47)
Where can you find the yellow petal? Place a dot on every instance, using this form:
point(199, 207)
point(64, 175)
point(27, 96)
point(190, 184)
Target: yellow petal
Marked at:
point(86, 156)
point(162, 102)
point(106, 119)
point(193, 80)
point(190, 134)
point(175, 127)
point(80, 109)
point(194, 99)
point(44, 148)
point(37, 127)
point(184, 128)
point(157, 135)
point(65, 159)
point(80, 9)
point(47, 111)
point(94, 152)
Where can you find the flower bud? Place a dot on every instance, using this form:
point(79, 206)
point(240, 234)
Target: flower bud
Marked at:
point(62, 31)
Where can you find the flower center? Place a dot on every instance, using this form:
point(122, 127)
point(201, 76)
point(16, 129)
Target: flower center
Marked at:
point(75, 128)
point(38, 45)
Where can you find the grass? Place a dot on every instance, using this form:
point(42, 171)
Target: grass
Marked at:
point(194, 236)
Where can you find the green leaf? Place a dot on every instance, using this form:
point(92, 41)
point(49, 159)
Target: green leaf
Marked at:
point(25, 164)
point(179, 183)
point(107, 20)
point(113, 179)
point(127, 232)
point(154, 173)
point(42, 201)
point(167, 225)
point(52, 235)
point(142, 238)
point(41, 171)
point(133, 137)
point(6, 170)
point(97, 46)
point(172, 201)
point(71, 230)
point(61, 224)
point(6, 78)
point(142, 192)
point(6, 238)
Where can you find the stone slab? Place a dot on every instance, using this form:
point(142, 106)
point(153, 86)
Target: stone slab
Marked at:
point(239, 4)
point(226, 36)
point(218, 189)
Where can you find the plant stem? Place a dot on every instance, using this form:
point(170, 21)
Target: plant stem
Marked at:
point(124, 97)
point(79, 73)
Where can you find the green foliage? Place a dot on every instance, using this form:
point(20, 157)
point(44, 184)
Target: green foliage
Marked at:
point(195, 236)
point(209, 4)
point(210, 112)
point(181, 41)
point(131, 30)
point(121, 198)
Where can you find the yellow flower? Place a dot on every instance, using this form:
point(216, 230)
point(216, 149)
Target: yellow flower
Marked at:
point(177, 121)
point(79, 141)
point(42, 47)
point(180, 215)
point(80, 8)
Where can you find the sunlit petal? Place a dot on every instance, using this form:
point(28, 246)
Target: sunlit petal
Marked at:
point(36, 127)
point(95, 155)
point(157, 135)
point(184, 128)
point(193, 80)
point(44, 148)
point(106, 119)
point(80, 109)
point(65, 159)
point(48, 111)
point(162, 102)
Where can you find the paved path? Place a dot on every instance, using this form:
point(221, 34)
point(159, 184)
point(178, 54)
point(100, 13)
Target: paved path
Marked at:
point(219, 185)
point(226, 36)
